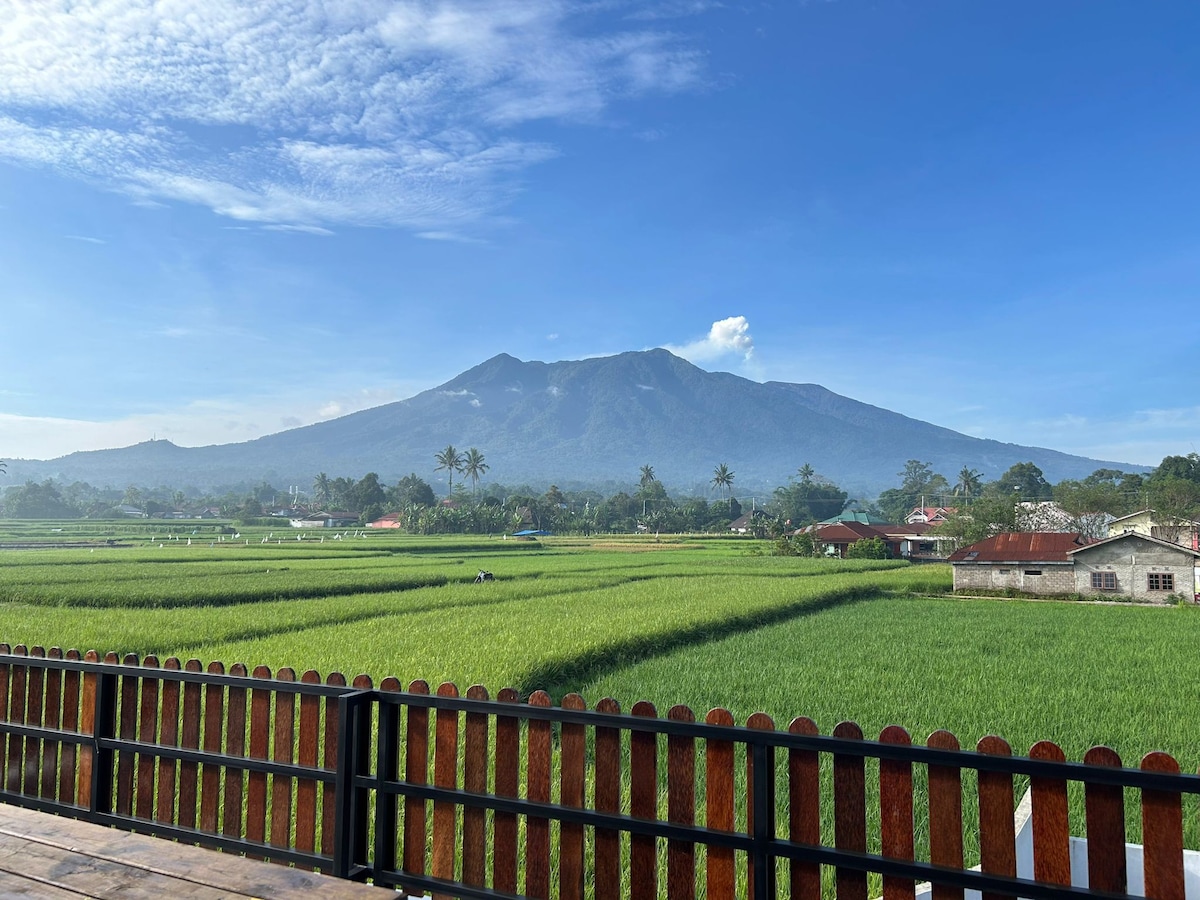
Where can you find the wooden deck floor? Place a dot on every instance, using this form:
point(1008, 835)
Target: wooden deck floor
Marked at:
point(54, 857)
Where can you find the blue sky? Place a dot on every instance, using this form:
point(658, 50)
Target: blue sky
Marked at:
point(219, 220)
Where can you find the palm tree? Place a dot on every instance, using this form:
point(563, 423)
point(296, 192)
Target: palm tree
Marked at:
point(474, 467)
point(723, 478)
point(807, 473)
point(647, 478)
point(968, 483)
point(322, 491)
point(450, 460)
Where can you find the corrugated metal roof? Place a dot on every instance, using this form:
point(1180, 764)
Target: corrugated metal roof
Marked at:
point(1024, 546)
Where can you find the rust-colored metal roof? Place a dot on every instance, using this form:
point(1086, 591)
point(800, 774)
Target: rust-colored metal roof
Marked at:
point(1024, 546)
point(849, 532)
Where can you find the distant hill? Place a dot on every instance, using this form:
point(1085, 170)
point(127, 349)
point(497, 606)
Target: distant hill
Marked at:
point(584, 422)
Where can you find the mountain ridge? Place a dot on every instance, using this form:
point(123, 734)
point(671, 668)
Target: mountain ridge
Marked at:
point(584, 421)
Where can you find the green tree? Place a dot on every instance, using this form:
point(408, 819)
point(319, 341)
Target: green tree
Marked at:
point(474, 468)
point(647, 477)
point(1184, 468)
point(868, 548)
point(809, 500)
point(37, 501)
point(969, 483)
point(1024, 481)
point(368, 492)
point(1176, 504)
point(322, 491)
point(723, 480)
point(413, 490)
point(450, 460)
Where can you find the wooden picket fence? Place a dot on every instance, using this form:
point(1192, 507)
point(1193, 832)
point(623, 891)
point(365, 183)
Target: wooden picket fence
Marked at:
point(483, 798)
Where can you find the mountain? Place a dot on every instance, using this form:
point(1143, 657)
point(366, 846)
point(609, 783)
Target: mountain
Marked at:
point(584, 422)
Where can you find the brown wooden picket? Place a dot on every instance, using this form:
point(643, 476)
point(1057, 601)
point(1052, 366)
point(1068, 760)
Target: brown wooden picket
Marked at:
point(445, 775)
point(1105, 810)
point(945, 815)
point(643, 804)
point(537, 776)
point(504, 824)
point(681, 806)
point(850, 812)
point(1051, 832)
point(279, 720)
point(608, 798)
point(719, 807)
point(235, 745)
point(804, 809)
point(997, 829)
point(572, 775)
point(210, 778)
point(896, 813)
point(1162, 833)
point(284, 739)
point(475, 780)
point(416, 771)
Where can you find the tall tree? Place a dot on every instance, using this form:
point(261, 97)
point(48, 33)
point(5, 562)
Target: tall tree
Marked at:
point(474, 468)
point(723, 480)
point(1024, 481)
point(451, 460)
point(969, 482)
point(648, 478)
point(807, 473)
point(322, 491)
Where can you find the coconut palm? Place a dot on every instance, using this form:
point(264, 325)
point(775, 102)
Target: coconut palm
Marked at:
point(723, 479)
point(451, 460)
point(648, 477)
point(807, 473)
point(474, 467)
point(968, 483)
point(322, 491)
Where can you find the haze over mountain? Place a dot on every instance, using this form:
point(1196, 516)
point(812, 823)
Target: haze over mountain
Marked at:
point(584, 422)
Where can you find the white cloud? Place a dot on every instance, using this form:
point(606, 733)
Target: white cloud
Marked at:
point(728, 337)
point(288, 112)
point(85, 239)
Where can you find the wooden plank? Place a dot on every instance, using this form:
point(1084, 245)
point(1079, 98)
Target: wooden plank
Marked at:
point(571, 791)
point(87, 725)
point(18, 679)
point(475, 780)
point(307, 756)
point(52, 718)
point(235, 745)
point(416, 771)
point(804, 810)
point(850, 812)
point(127, 731)
point(896, 808)
point(643, 804)
point(142, 856)
point(445, 775)
point(507, 769)
point(70, 722)
point(330, 762)
point(997, 829)
point(168, 731)
point(1162, 833)
point(260, 735)
point(1105, 806)
point(945, 815)
point(147, 733)
point(607, 799)
point(537, 780)
point(681, 807)
point(719, 807)
point(1051, 832)
point(190, 739)
point(284, 741)
point(210, 776)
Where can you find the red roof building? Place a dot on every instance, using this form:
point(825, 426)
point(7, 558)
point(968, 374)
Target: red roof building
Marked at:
point(1031, 562)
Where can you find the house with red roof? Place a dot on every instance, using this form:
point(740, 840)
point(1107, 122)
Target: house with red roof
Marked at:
point(1032, 562)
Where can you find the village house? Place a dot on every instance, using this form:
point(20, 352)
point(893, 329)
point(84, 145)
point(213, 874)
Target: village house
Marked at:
point(326, 520)
point(929, 515)
point(1059, 563)
point(1166, 528)
point(1032, 562)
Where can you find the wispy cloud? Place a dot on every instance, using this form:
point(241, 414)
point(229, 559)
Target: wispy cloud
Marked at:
point(85, 239)
point(290, 113)
point(728, 337)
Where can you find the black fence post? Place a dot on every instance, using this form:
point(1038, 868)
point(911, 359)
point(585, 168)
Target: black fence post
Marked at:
point(387, 766)
point(763, 826)
point(105, 727)
point(354, 748)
